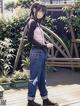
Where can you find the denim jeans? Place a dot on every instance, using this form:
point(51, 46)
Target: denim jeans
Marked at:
point(37, 73)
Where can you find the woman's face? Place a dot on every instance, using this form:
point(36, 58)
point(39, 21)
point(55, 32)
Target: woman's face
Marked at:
point(40, 14)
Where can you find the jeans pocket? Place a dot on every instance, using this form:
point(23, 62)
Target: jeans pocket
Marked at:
point(34, 55)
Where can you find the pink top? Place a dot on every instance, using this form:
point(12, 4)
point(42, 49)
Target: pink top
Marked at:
point(38, 34)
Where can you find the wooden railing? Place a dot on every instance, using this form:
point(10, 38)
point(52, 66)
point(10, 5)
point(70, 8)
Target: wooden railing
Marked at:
point(60, 55)
point(59, 1)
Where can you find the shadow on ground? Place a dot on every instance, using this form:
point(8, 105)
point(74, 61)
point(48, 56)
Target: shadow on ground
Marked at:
point(63, 76)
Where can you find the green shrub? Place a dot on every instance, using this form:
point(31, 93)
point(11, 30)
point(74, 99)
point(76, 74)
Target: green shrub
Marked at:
point(19, 76)
point(4, 79)
point(26, 62)
point(11, 31)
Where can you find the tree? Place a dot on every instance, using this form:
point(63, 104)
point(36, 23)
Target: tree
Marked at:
point(23, 3)
point(10, 6)
point(73, 21)
point(50, 1)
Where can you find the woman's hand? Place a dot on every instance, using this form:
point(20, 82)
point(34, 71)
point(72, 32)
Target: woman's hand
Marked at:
point(49, 45)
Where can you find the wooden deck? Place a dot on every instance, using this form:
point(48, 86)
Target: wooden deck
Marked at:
point(63, 87)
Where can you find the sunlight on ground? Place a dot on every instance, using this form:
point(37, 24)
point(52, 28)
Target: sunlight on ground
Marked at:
point(65, 87)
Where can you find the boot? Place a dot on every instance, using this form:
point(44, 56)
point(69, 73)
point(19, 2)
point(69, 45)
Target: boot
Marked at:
point(47, 102)
point(32, 103)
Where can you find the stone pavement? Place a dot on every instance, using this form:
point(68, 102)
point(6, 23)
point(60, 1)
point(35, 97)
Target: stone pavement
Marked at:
point(63, 87)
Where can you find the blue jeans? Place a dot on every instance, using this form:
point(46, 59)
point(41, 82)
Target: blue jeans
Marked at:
point(37, 73)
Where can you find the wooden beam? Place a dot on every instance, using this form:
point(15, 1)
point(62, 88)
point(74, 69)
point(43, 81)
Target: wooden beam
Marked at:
point(64, 63)
point(58, 65)
point(53, 6)
point(64, 59)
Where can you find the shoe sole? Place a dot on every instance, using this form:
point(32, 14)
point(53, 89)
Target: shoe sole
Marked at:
point(50, 105)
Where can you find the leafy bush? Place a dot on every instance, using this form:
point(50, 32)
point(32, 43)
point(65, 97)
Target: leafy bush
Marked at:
point(26, 62)
point(10, 6)
point(11, 31)
point(74, 18)
point(74, 12)
point(23, 3)
point(49, 22)
point(5, 56)
point(4, 79)
point(3, 24)
point(19, 76)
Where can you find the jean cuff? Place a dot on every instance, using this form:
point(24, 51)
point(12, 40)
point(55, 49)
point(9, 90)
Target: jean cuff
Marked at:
point(44, 97)
point(31, 98)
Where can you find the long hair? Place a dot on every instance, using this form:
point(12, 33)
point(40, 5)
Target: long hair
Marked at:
point(37, 7)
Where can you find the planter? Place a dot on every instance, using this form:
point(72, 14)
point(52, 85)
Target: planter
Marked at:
point(1, 91)
point(6, 86)
point(19, 84)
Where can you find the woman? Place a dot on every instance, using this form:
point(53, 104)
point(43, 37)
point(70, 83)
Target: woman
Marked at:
point(38, 56)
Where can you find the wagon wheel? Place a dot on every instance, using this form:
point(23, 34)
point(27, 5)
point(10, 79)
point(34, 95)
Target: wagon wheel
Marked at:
point(59, 50)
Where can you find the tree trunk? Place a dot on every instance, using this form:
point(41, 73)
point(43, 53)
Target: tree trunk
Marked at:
point(20, 49)
point(73, 36)
point(50, 1)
